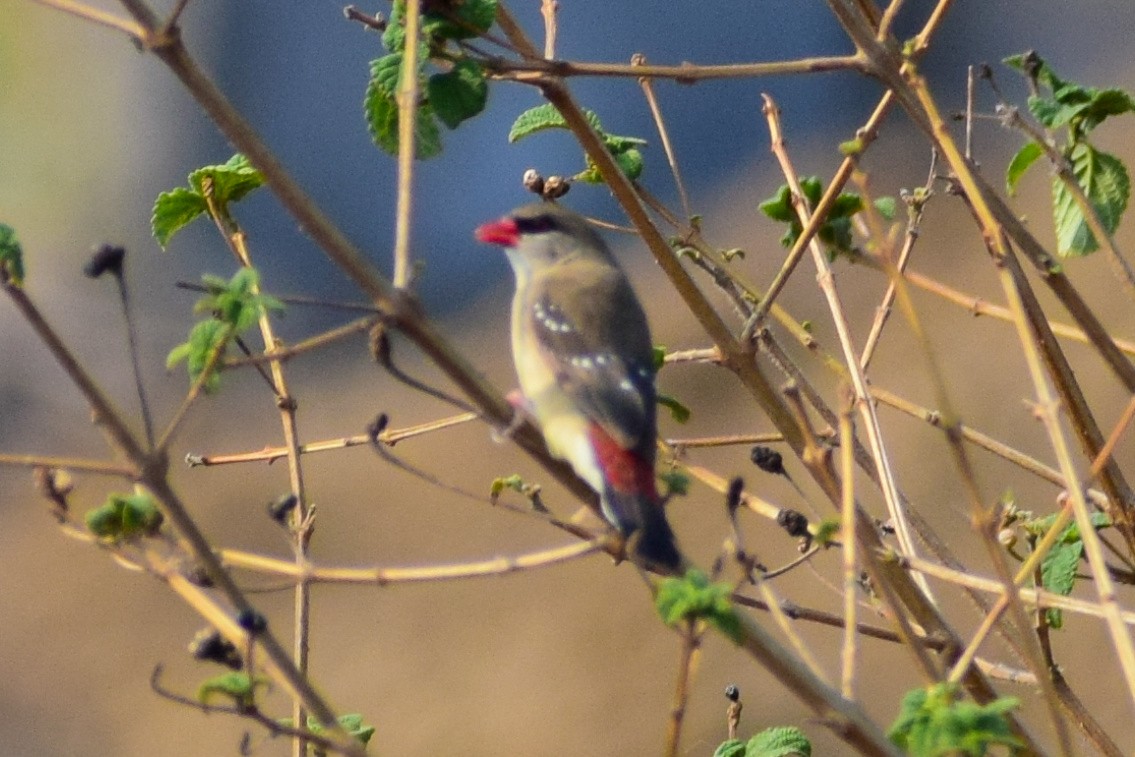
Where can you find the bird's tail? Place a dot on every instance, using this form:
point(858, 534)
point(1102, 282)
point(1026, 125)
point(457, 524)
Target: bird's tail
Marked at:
point(642, 520)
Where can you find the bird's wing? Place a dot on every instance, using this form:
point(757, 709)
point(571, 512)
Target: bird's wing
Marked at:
point(598, 345)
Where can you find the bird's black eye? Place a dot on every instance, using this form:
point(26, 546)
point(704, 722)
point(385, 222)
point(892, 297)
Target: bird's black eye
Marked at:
point(535, 225)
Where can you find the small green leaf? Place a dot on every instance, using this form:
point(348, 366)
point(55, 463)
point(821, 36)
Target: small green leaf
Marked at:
point(353, 724)
point(381, 110)
point(933, 722)
point(1103, 179)
point(124, 516)
point(779, 206)
point(1058, 574)
point(781, 741)
point(544, 117)
point(459, 19)
point(676, 483)
point(240, 688)
point(679, 412)
point(11, 256)
point(730, 748)
point(658, 357)
point(231, 181)
point(458, 94)
point(826, 531)
point(693, 597)
point(1021, 162)
point(173, 211)
point(630, 162)
point(887, 207)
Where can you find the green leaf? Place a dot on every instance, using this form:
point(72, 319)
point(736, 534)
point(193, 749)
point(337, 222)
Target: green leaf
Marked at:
point(381, 110)
point(394, 36)
point(887, 207)
point(353, 724)
point(630, 162)
point(1020, 163)
point(459, 19)
point(658, 357)
point(544, 117)
point(173, 211)
point(779, 207)
point(679, 412)
point(693, 597)
point(676, 483)
point(458, 94)
point(932, 722)
point(231, 181)
point(11, 256)
point(1058, 574)
point(1103, 179)
point(834, 233)
point(730, 748)
point(124, 516)
point(782, 741)
point(240, 688)
point(204, 337)
point(826, 531)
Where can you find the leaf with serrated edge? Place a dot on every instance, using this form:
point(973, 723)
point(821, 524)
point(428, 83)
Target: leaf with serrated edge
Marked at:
point(544, 117)
point(173, 211)
point(1103, 179)
point(458, 94)
point(781, 741)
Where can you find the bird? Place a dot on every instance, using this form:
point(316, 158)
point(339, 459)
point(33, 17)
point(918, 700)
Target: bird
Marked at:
point(585, 362)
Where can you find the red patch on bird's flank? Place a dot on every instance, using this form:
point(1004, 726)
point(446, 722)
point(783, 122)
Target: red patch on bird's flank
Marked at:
point(503, 232)
point(624, 470)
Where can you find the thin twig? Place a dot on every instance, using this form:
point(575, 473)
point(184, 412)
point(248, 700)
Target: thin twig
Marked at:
point(847, 529)
point(497, 566)
point(407, 124)
point(98, 16)
point(687, 661)
point(532, 69)
point(656, 112)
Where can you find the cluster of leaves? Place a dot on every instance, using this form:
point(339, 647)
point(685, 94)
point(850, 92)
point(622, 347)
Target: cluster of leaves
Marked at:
point(450, 96)
point(693, 597)
point(352, 723)
point(11, 256)
point(220, 185)
point(781, 741)
point(1078, 110)
point(624, 149)
point(125, 516)
point(934, 722)
point(233, 307)
point(835, 233)
point(1058, 568)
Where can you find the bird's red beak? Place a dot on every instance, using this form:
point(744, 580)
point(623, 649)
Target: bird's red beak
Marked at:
point(503, 232)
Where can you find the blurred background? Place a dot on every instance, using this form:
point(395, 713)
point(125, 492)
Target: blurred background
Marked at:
point(567, 660)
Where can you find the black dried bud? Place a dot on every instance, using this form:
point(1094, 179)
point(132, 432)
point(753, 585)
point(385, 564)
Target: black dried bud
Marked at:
point(794, 522)
point(252, 621)
point(198, 575)
point(209, 645)
point(105, 258)
point(376, 427)
point(732, 693)
point(279, 509)
point(733, 494)
point(768, 460)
